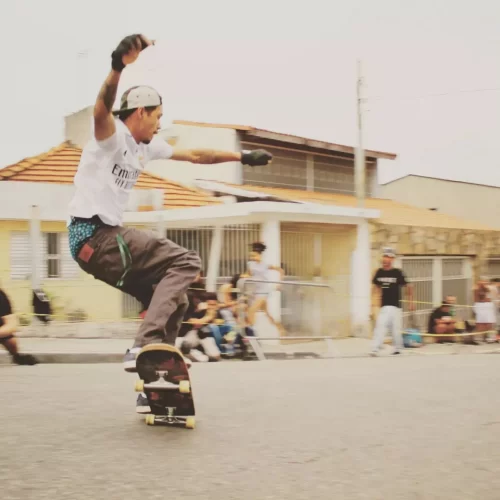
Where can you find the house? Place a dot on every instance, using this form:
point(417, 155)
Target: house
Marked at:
point(462, 199)
point(46, 181)
point(442, 252)
point(302, 205)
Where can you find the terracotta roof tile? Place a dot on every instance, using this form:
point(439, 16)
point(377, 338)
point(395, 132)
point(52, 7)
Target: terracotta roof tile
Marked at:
point(392, 212)
point(59, 165)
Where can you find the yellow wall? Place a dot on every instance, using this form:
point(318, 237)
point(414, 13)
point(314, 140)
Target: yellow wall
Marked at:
point(98, 300)
point(330, 307)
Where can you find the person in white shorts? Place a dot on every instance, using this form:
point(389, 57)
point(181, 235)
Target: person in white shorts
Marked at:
point(389, 281)
point(258, 269)
point(484, 310)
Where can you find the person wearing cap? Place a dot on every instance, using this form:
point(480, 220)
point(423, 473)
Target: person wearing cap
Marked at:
point(155, 271)
point(388, 282)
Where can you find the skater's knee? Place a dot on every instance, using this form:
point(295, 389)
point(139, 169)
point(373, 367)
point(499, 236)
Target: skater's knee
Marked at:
point(195, 261)
point(205, 332)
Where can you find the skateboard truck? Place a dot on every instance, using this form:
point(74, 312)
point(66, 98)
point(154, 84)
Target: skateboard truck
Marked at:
point(169, 419)
point(161, 384)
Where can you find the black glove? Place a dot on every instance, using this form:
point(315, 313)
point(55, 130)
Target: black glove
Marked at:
point(256, 158)
point(124, 47)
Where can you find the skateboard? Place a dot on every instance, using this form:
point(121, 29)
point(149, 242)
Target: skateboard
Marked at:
point(164, 378)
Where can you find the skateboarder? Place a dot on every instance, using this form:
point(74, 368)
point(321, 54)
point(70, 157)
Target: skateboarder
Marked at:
point(155, 271)
point(8, 327)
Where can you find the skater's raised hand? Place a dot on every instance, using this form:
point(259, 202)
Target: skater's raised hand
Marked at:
point(128, 51)
point(258, 157)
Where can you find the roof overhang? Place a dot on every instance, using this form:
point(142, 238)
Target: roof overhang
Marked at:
point(253, 212)
point(249, 132)
point(315, 144)
point(16, 203)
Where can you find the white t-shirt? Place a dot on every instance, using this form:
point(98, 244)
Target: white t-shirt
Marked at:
point(259, 271)
point(108, 171)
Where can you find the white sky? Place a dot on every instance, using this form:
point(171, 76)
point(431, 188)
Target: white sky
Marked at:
point(284, 65)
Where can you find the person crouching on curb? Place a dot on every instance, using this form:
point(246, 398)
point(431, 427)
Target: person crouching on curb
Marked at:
point(8, 327)
point(388, 281)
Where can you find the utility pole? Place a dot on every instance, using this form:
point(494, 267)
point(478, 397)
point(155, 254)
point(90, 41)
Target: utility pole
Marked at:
point(359, 159)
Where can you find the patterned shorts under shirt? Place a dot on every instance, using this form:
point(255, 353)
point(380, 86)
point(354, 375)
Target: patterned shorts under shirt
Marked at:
point(79, 232)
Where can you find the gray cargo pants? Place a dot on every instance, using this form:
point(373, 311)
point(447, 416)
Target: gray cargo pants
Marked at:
point(155, 271)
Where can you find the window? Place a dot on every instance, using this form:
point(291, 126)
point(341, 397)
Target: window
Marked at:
point(198, 240)
point(53, 258)
point(289, 169)
point(493, 267)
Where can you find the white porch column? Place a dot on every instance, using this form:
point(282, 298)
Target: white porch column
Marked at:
point(35, 237)
point(214, 259)
point(361, 282)
point(316, 316)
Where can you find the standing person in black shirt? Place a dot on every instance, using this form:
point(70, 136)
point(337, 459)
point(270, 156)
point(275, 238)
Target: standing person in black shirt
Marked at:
point(389, 280)
point(8, 327)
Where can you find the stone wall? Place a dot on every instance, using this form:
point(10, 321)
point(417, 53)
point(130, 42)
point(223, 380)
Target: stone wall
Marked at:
point(410, 240)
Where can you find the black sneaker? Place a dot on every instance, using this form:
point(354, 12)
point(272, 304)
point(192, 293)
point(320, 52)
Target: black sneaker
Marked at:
point(142, 405)
point(25, 359)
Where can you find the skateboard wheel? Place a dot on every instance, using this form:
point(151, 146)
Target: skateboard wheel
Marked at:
point(150, 420)
point(184, 386)
point(190, 423)
point(139, 386)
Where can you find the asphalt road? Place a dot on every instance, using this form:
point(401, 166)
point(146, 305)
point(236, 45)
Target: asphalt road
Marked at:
point(386, 428)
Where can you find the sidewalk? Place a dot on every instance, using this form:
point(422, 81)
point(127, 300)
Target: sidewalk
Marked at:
point(109, 350)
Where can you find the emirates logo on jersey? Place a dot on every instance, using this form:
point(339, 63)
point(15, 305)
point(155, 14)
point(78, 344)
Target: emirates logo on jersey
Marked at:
point(124, 178)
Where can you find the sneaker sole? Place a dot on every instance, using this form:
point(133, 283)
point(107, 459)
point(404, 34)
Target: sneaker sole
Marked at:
point(142, 409)
point(129, 366)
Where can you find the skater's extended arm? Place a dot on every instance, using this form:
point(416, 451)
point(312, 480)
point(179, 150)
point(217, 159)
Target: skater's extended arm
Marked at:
point(126, 53)
point(211, 156)
point(205, 156)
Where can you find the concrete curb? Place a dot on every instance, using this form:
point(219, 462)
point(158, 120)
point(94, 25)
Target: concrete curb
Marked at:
point(70, 357)
point(98, 357)
point(106, 357)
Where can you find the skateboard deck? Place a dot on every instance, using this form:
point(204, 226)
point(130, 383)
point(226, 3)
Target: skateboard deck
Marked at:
point(164, 378)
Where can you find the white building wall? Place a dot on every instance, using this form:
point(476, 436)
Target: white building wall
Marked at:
point(78, 126)
point(191, 137)
point(461, 199)
point(78, 129)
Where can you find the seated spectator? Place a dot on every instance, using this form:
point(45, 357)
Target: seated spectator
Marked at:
point(441, 321)
point(187, 339)
point(8, 328)
point(222, 330)
point(233, 308)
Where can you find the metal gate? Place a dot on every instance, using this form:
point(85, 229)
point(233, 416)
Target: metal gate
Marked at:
point(434, 278)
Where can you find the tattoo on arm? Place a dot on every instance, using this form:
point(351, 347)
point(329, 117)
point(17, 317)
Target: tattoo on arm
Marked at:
point(103, 119)
point(108, 95)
